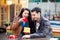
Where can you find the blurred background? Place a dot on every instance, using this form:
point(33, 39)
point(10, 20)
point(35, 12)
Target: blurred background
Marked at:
point(50, 9)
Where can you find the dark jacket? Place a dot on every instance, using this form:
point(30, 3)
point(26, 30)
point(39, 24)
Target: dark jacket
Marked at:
point(44, 30)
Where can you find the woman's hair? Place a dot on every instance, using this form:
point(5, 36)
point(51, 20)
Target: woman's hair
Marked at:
point(22, 10)
point(29, 15)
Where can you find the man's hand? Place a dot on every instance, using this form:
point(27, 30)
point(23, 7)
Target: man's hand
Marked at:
point(26, 37)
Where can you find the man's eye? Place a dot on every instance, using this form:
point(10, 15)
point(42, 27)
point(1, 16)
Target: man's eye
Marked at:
point(33, 14)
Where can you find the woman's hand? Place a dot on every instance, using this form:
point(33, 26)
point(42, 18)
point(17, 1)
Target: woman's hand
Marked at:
point(21, 20)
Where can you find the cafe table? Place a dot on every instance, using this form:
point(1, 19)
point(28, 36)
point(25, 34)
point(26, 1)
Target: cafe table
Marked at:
point(4, 36)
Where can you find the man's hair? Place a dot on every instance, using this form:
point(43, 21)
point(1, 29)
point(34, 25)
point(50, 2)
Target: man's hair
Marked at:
point(37, 9)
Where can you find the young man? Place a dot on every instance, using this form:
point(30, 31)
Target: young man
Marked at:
point(41, 26)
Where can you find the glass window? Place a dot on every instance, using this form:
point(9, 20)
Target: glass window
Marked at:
point(34, 0)
point(44, 0)
point(57, 0)
point(52, 0)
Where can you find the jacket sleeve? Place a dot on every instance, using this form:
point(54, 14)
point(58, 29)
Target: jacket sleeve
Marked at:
point(46, 30)
point(15, 23)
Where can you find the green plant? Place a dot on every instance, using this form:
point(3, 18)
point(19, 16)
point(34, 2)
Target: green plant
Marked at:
point(7, 23)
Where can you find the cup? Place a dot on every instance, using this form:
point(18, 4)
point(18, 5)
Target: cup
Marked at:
point(26, 30)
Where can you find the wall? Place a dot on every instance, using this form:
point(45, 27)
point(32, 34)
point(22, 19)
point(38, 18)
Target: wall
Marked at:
point(45, 6)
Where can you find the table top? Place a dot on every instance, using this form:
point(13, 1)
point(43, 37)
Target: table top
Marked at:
point(3, 36)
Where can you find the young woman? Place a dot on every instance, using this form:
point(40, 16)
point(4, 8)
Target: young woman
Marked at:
point(21, 21)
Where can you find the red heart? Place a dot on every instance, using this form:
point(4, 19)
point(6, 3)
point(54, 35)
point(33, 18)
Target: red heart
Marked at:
point(25, 20)
point(12, 36)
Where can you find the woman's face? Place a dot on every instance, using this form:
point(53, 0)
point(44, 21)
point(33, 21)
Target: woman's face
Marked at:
point(25, 14)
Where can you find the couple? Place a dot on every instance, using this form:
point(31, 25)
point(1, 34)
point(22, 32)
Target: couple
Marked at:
point(39, 26)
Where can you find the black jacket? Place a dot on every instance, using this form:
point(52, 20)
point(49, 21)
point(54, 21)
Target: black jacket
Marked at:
point(44, 30)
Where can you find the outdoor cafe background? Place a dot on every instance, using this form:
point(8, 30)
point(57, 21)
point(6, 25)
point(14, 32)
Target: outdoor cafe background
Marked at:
point(50, 9)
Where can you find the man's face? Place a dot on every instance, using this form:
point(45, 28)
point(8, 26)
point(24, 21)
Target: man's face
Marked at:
point(35, 15)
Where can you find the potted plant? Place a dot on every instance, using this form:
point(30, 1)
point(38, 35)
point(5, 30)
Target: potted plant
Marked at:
point(8, 30)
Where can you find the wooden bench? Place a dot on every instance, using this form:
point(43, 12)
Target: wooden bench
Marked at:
point(56, 31)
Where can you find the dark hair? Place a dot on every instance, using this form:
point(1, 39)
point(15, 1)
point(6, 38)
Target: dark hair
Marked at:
point(37, 9)
point(29, 17)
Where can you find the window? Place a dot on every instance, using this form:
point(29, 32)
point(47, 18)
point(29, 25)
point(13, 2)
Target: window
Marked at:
point(52, 0)
point(57, 0)
point(44, 0)
point(34, 0)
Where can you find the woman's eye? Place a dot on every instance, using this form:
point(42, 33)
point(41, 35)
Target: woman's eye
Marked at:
point(24, 13)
